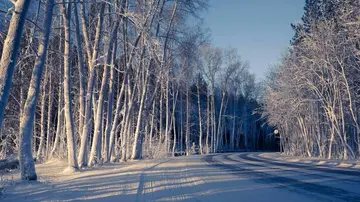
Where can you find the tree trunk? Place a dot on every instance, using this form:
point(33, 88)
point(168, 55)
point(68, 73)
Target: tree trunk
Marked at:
point(109, 125)
point(82, 72)
point(181, 124)
point(214, 136)
point(42, 116)
point(114, 127)
point(152, 126)
point(138, 137)
point(59, 119)
point(60, 115)
point(10, 52)
point(331, 141)
point(27, 166)
point(116, 117)
point(71, 147)
point(127, 123)
point(124, 126)
point(187, 135)
point(94, 154)
point(173, 119)
point(167, 113)
point(161, 114)
point(49, 131)
point(218, 136)
point(95, 148)
point(245, 127)
point(200, 117)
point(91, 81)
point(232, 138)
point(208, 125)
point(34, 130)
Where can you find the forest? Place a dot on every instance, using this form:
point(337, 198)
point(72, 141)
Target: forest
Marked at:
point(312, 95)
point(99, 81)
point(103, 81)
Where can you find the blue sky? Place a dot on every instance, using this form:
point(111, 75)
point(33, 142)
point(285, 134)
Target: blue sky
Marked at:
point(259, 29)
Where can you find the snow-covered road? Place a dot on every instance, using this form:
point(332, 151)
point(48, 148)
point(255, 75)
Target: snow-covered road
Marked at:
point(219, 177)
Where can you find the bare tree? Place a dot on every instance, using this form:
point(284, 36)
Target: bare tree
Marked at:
point(10, 52)
point(27, 166)
point(72, 161)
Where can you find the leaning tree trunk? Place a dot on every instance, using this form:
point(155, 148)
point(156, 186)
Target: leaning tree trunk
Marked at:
point(114, 125)
point(218, 136)
point(94, 154)
point(82, 72)
point(111, 94)
point(138, 137)
point(103, 89)
point(42, 116)
point(59, 121)
point(123, 127)
point(109, 120)
point(49, 131)
point(91, 81)
point(27, 166)
point(10, 52)
point(126, 131)
point(116, 117)
point(60, 112)
point(69, 121)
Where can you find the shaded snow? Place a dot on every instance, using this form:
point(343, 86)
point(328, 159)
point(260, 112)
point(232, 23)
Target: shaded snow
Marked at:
point(221, 177)
point(337, 163)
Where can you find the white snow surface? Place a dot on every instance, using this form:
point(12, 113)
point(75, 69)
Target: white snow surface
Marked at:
point(338, 163)
point(218, 177)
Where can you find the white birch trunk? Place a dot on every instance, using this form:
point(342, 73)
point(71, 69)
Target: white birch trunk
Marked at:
point(200, 118)
point(71, 147)
point(10, 52)
point(27, 167)
point(91, 81)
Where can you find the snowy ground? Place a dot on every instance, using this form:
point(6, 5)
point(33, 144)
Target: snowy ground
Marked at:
point(219, 177)
point(313, 160)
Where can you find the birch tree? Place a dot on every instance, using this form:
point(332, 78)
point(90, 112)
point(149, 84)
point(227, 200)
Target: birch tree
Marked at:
point(10, 52)
point(71, 147)
point(27, 166)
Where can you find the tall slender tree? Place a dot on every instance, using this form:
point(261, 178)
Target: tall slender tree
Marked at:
point(27, 166)
point(10, 52)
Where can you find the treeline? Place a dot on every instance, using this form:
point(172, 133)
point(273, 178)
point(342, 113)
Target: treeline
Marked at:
point(113, 80)
point(313, 95)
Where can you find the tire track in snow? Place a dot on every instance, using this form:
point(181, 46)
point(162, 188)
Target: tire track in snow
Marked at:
point(192, 181)
point(285, 168)
point(141, 187)
point(341, 171)
point(171, 186)
point(178, 184)
point(321, 192)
